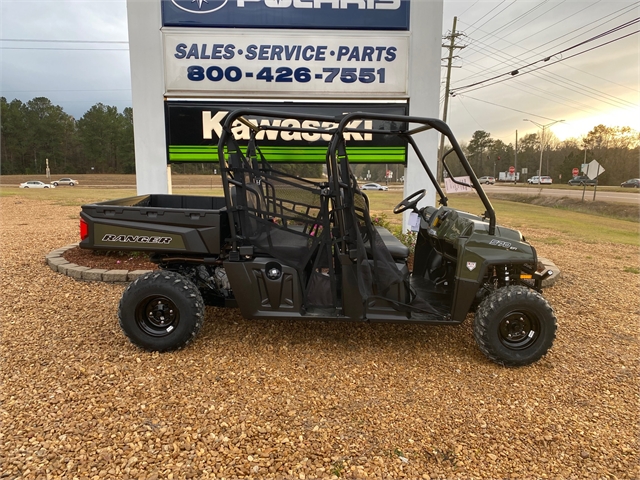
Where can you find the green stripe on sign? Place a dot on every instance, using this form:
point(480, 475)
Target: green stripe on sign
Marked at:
point(291, 154)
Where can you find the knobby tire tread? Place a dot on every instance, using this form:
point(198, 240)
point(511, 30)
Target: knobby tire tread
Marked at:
point(490, 307)
point(164, 278)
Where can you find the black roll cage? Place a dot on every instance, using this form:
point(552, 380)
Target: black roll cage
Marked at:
point(406, 133)
point(337, 145)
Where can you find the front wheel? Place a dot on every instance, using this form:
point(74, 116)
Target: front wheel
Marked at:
point(55, 184)
point(514, 326)
point(161, 311)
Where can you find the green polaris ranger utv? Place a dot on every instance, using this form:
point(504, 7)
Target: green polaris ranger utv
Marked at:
point(281, 246)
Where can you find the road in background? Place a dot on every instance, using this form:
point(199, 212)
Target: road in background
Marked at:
point(575, 192)
point(604, 194)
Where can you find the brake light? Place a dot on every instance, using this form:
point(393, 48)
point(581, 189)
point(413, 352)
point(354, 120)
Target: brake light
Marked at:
point(84, 229)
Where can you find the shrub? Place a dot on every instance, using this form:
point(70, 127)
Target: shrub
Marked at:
point(408, 238)
point(380, 220)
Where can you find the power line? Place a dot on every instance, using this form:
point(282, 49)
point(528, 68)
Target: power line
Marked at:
point(467, 110)
point(557, 61)
point(626, 9)
point(575, 87)
point(509, 108)
point(71, 90)
point(517, 18)
point(487, 13)
point(534, 19)
point(488, 20)
point(547, 58)
point(546, 95)
point(59, 41)
point(585, 88)
point(468, 8)
point(66, 49)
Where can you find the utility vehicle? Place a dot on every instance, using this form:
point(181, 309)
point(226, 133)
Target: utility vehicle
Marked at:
point(277, 245)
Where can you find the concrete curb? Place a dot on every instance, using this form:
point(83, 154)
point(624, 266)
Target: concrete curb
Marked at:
point(59, 264)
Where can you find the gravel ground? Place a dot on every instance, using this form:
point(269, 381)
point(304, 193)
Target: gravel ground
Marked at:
point(307, 399)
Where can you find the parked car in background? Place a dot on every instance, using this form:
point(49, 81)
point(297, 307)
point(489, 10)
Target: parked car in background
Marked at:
point(35, 184)
point(582, 180)
point(631, 183)
point(373, 186)
point(65, 181)
point(544, 179)
point(487, 180)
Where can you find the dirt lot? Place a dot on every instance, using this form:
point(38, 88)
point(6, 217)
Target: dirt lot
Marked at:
point(309, 399)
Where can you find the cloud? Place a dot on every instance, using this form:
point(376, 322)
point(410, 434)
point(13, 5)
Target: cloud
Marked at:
point(499, 38)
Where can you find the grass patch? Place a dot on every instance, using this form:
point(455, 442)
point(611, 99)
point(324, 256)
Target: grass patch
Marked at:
point(621, 211)
point(635, 270)
point(585, 227)
point(551, 241)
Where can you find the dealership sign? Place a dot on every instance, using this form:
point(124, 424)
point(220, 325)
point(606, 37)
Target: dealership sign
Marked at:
point(307, 14)
point(193, 130)
point(222, 62)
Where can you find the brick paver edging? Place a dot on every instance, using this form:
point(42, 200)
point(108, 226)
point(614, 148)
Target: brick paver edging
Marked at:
point(59, 264)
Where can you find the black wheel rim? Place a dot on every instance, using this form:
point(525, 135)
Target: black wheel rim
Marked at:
point(157, 316)
point(519, 330)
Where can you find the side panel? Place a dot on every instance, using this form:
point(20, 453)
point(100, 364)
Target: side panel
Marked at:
point(260, 296)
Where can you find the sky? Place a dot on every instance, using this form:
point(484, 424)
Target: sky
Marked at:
point(75, 53)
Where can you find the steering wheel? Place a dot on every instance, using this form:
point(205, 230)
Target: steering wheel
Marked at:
point(410, 202)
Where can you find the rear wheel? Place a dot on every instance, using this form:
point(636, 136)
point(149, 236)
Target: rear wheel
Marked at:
point(161, 311)
point(514, 326)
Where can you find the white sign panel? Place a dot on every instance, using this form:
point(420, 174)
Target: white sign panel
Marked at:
point(593, 169)
point(451, 187)
point(306, 64)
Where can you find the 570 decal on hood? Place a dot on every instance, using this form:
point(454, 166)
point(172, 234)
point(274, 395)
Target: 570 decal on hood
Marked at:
point(110, 237)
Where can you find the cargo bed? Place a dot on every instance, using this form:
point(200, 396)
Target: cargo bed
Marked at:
point(167, 223)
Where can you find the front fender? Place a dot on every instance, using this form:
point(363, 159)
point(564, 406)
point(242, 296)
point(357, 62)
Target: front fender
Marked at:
point(476, 255)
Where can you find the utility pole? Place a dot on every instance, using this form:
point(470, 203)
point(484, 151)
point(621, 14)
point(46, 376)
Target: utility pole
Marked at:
point(515, 161)
point(452, 46)
point(543, 128)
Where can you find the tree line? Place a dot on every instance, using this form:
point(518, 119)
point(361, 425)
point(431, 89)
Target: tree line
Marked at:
point(102, 142)
point(616, 149)
point(32, 132)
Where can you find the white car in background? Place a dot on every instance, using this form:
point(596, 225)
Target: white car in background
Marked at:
point(545, 179)
point(36, 184)
point(65, 181)
point(374, 186)
point(487, 180)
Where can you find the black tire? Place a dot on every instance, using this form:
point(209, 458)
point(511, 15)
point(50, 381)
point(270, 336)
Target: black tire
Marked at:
point(55, 184)
point(71, 184)
point(514, 326)
point(161, 311)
